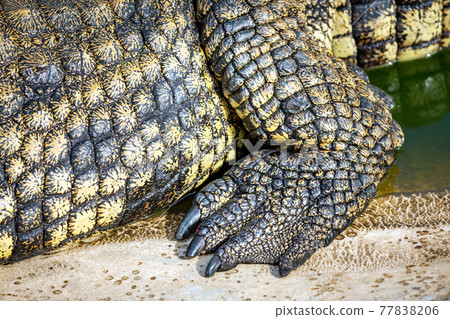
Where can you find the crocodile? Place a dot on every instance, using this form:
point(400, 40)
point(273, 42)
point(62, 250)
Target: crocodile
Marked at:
point(110, 111)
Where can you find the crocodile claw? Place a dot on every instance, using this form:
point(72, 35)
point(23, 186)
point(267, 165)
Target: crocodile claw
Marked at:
point(189, 223)
point(284, 271)
point(213, 265)
point(196, 247)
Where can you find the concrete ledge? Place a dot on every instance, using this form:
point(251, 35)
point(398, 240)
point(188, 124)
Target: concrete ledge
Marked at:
point(397, 251)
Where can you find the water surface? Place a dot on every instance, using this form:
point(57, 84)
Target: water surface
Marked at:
point(421, 92)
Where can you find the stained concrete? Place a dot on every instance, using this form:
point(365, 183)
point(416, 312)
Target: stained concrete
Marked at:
point(398, 250)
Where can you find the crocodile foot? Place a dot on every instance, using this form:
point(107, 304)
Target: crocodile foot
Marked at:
point(275, 210)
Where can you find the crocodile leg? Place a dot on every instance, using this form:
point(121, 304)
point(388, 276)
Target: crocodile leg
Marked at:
point(283, 210)
point(281, 207)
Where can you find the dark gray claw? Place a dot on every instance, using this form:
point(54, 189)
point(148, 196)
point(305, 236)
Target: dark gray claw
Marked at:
point(284, 271)
point(196, 246)
point(189, 223)
point(213, 266)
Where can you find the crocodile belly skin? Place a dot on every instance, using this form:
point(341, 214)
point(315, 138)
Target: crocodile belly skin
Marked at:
point(107, 113)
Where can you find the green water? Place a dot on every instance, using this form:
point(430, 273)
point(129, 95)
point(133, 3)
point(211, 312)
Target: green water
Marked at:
point(421, 92)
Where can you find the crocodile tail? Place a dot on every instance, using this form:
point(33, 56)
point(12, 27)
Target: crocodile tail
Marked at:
point(390, 30)
point(343, 44)
point(445, 38)
point(321, 20)
point(374, 30)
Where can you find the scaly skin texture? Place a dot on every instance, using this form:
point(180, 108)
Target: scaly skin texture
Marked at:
point(320, 20)
point(107, 113)
point(277, 207)
point(390, 30)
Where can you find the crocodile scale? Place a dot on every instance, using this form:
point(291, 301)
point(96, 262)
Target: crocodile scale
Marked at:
point(107, 112)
